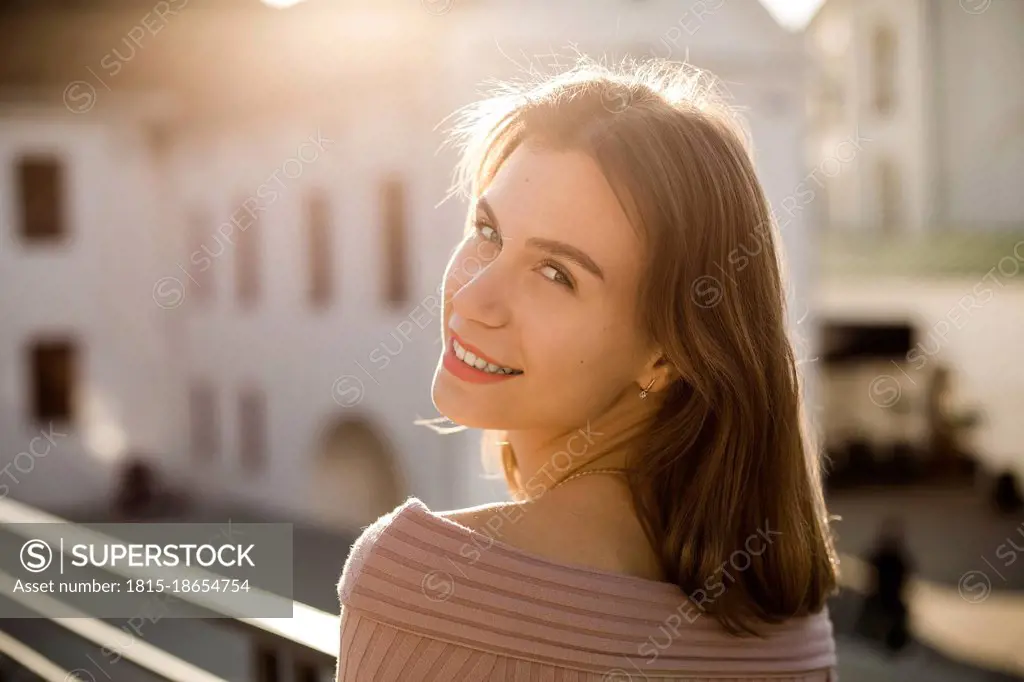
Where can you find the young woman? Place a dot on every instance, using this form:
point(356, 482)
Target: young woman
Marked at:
point(614, 322)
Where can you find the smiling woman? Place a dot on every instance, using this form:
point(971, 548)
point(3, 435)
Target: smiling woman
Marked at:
point(667, 519)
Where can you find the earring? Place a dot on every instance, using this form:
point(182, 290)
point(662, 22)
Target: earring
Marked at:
point(643, 393)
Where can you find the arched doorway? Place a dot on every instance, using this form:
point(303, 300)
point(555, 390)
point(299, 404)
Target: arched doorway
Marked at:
point(354, 476)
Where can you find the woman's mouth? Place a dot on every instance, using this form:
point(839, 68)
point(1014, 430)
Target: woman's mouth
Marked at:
point(470, 366)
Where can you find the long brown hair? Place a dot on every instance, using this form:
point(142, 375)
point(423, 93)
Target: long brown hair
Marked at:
point(728, 456)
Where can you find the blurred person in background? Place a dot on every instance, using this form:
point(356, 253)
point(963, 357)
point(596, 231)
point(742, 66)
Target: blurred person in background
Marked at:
point(941, 435)
point(884, 614)
point(137, 488)
point(613, 320)
point(1006, 494)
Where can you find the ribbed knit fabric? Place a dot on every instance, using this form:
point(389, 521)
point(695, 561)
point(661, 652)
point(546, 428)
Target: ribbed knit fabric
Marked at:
point(426, 599)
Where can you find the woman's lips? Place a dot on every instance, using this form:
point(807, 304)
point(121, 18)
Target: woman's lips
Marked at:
point(476, 351)
point(463, 371)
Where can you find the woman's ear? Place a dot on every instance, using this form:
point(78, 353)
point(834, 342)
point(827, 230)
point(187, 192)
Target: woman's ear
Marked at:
point(661, 369)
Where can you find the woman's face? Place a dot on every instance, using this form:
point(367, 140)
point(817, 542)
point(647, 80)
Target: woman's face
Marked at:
point(545, 285)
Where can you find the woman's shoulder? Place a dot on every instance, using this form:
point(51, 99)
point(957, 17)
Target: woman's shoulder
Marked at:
point(444, 576)
point(416, 536)
point(606, 538)
point(482, 518)
point(546, 542)
point(362, 548)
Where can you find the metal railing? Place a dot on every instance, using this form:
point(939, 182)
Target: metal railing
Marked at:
point(303, 648)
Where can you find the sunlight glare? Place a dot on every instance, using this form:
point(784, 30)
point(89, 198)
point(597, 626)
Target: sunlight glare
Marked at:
point(280, 4)
point(794, 15)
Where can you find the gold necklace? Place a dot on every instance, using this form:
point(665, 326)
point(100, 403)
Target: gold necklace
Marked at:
point(606, 470)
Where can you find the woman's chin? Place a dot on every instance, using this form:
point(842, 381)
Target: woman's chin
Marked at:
point(462, 411)
point(460, 415)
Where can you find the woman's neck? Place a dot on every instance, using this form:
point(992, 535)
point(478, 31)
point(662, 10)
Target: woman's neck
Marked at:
point(543, 459)
point(545, 456)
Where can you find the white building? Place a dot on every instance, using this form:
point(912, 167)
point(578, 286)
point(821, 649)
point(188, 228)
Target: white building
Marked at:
point(280, 362)
point(925, 218)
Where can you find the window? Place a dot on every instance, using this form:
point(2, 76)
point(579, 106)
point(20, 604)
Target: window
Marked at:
point(203, 421)
point(268, 665)
point(201, 256)
point(320, 252)
point(883, 50)
point(846, 342)
point(396, 285)
point(307, 672)
point(41, 190)
point(890, 195)
point(252, 420)
point(247, 255)
point(53, 377)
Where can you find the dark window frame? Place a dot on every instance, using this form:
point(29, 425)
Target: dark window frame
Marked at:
point(395, 233)
point(41, 191)
point(249, 263)
point(320, 282)
point(253, 429)
point(884, 70)
point(205, 442)
point(43, 353)
point(201, 280)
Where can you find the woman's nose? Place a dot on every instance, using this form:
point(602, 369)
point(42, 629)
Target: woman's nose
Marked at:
point(480, 292)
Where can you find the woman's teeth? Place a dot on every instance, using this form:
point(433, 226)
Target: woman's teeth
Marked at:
point(479, 363)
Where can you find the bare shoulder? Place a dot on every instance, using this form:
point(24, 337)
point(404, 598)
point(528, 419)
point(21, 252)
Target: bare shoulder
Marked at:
point(603, 536)
point(511, 522)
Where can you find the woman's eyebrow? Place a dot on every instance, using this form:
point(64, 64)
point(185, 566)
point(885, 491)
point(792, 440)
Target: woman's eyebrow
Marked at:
point(552, 246)
point(557, 248)
point(483, 204)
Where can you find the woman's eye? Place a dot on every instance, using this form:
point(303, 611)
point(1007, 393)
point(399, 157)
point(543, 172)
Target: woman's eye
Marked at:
point(488, 232)
point(556, 275)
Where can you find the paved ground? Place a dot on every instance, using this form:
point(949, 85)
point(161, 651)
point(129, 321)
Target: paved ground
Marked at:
point(969, 595)
point(950, 534)
point(860, 662)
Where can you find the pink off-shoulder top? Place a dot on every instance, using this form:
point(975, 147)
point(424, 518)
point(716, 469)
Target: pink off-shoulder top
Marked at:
point(425, 598)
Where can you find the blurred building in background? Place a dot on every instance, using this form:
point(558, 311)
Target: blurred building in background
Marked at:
point(221, 243)
point(220, 253)
point(921, 296)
